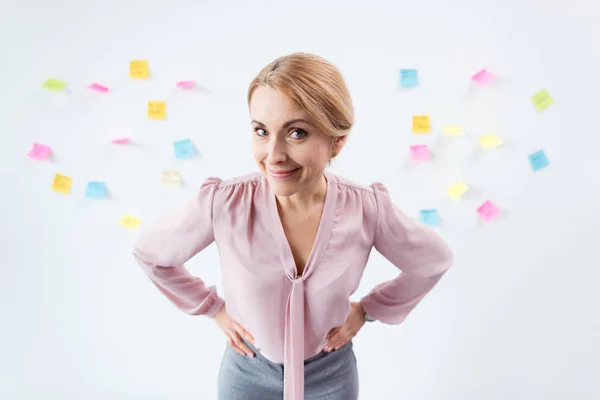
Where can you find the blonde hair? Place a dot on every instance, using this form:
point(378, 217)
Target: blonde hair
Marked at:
point(316, 85)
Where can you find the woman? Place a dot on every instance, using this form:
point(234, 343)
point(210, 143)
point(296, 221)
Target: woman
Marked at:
point(293, 241)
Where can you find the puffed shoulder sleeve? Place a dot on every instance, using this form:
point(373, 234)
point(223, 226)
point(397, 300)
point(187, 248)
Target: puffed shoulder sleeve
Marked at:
point(162, 248)
point(417, 251)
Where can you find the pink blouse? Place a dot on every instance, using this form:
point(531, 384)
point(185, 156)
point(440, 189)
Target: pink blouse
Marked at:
point(290, 315)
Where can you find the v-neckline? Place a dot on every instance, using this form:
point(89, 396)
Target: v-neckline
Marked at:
point(321, 239)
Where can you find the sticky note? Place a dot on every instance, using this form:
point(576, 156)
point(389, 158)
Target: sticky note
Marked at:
point(421, 124)
point(186, 84)
point(170, 178)
point(184, 148)
point(129, 221)
point(457, 190)
point(121, 140)
point(409, 78)
point(538, 160)
point(490, 140)
point(488, 211)
point(39, 152)
point(157, 109)
point(95, 190)
point(98, 88)
point(420, 152)
point(139, 69)
point(542, 100)
point(452, 130)
point(483, 77)
point(429, 217)
point(62, 184)
point(54, 84)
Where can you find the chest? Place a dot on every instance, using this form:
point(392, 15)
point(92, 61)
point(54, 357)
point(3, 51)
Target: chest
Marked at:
point(301, 232)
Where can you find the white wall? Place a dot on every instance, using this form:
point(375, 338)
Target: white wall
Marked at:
point(515, 318)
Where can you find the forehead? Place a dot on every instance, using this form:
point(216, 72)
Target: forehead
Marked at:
point(271, 106)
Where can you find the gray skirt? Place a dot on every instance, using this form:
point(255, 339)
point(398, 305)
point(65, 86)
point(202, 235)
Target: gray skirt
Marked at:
point(327, 376)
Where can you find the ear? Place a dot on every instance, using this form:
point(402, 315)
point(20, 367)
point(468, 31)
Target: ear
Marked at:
point(337, 145)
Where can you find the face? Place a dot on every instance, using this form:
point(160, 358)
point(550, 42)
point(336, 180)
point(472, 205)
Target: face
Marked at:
point(290, 152)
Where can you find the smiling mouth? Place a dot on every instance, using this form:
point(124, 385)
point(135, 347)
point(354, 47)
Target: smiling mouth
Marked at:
point(282, 174)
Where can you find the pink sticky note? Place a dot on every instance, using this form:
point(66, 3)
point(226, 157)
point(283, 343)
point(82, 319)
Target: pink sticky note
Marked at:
point(420, 152)
point(483, 77)
point(186, 84)
point(121, 140)
point(488, 211)
point(39, 152)
point(98, 88)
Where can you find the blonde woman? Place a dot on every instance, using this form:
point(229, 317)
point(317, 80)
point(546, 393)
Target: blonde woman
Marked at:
point(293, 241)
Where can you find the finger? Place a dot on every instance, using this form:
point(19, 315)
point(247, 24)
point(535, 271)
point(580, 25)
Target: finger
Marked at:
point(333, 332)
point(234, 347)
point(245, 334)
point(237, 339)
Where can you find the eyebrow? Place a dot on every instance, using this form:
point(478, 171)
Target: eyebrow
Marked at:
point(290, 122)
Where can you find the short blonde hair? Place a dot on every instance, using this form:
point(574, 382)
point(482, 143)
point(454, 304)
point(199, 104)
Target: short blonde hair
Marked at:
point(316, 85)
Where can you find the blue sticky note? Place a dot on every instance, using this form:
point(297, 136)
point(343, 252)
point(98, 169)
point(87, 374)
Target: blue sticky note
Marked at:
point(430, 217)
point(95, 190)
point(538, 160)
point(409, 78)
point(184, 149)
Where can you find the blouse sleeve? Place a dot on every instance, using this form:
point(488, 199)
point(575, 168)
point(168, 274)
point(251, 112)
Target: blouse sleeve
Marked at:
point(162, 248)
point(417, 251)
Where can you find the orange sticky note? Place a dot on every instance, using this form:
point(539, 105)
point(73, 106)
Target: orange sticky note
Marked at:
point(421, 124)
point(62, 184)
point(139, 69)
point(157, 110)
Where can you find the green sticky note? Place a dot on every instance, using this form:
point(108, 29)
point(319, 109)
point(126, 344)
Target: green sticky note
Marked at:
point(542, 100)
point(54, 84)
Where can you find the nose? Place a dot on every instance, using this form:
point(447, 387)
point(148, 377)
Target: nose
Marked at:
point(277, 152)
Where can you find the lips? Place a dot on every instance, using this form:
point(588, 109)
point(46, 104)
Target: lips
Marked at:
point(282, 174)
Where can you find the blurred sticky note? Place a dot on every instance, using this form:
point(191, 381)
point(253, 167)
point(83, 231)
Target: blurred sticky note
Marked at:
point(483, 77)
point(542, 100)
point(186, 84)
point(121, 140)
point(170, 178)
point(409, 78)
point(421, 124)
point(538, 160)
point(457, 190)
point(420, 152)
point(488, 211)
point(98, 88)
point(95, 190)
point(452, 130)
point(429, 217)
point(39, 152)
point(54, 84)
point(157, 110)
point(184, 148)
point(139, 69)
point(129, 221)
point(490, 140)
point(62, 184)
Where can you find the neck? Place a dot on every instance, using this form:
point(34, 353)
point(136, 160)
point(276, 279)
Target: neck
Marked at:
point(307, 198)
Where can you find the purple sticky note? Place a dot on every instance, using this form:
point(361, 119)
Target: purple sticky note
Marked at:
point(39, 152)
point(98, 88)
point(186, 84)
point(420, 152)
point(121, 140)
point(488, 211)
point(483, 77)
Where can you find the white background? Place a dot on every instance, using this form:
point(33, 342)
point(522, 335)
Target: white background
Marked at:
point(515, 318)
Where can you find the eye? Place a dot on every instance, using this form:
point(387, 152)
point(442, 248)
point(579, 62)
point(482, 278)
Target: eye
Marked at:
point(300, 133)
point(260, 131)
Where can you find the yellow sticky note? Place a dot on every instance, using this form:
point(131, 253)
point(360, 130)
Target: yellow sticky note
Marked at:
point(157, 110)
point(62, 184)
point(490, 140)
point(54, 84)
point(457, 190)
point(542, 100)
point(129, 221)
point(139, 69)
point(421, 124)
point(170, 178)
point(452, 130)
